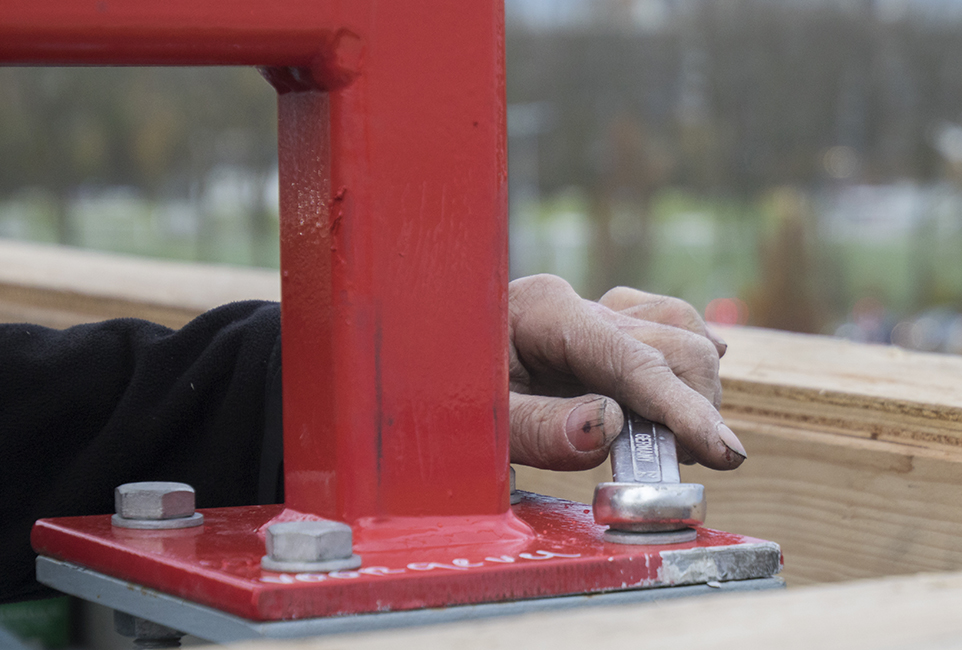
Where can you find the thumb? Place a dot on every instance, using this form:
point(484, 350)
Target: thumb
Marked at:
point(563, 434)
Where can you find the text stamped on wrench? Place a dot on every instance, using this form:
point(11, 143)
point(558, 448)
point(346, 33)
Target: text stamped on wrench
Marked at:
point(645, 453)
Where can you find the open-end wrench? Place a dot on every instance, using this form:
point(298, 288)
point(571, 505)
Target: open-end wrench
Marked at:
point(647, 503)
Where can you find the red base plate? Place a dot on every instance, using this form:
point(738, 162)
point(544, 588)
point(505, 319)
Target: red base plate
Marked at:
point(547, 547)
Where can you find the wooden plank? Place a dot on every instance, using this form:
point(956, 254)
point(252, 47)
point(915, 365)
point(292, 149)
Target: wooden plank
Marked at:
point(854, 465)
point(855, 455)
point(60, 286)
point(841, 508)
point(908, 612)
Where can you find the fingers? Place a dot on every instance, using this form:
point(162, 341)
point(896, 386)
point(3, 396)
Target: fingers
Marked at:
point(640, 378)
point(693, 358)
point(563, 434)
point(661, 309)
point(553, 330)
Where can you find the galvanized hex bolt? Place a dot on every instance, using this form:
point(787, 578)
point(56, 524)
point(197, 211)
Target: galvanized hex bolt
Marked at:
point(647, 503)
point(310, 546)
point(515, 495)
point(155, 505)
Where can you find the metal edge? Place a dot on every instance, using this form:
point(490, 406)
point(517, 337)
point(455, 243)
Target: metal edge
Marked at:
point(721, 563)
point(649, 507)
point(216, 626)
point(191, 521)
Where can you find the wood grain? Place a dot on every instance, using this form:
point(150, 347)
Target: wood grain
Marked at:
point(841, 508)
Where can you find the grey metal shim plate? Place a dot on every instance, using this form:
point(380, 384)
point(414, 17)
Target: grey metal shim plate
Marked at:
point(219, 627)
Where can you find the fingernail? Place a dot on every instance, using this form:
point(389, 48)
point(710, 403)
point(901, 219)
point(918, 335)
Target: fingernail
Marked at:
point(731, 440)
point(593, 424)
point(722, 347)
point(717, 340)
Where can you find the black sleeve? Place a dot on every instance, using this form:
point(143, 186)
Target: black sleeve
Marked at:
point(88, 408)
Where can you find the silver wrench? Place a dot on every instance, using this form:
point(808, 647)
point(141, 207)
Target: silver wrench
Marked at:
point(647, 503)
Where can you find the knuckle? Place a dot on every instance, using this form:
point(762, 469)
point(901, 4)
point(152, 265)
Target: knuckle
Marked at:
point(537, 293)
point(619, 296)
point(642, 360)
point(543, 283)
point(536, 425)
point(703, 351)
point(682, 314)
point(530, 414)
point(699, 357)
point(700, 369)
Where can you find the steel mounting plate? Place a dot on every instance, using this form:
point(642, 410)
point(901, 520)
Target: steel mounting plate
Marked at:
point(218, 565)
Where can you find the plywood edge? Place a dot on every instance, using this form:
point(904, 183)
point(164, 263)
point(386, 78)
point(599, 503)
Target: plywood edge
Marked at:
point(836, 366)
point(774, 380)
point(930, 426)
point(60, 286)
point(803, 432)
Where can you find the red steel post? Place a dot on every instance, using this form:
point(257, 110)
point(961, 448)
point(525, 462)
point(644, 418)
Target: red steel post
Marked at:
point(394, 257)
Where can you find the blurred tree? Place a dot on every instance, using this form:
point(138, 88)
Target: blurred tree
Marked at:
point(609, 117)
point(730, 99)
point(785, 296)
point(161, 130)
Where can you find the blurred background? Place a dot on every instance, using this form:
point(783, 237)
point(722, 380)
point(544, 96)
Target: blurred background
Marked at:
point(794, 164)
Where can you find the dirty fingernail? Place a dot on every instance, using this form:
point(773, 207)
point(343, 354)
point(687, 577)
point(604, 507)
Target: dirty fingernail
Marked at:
point(593, 424)
point(731, 440)
point(722, 348)
point(719, 342)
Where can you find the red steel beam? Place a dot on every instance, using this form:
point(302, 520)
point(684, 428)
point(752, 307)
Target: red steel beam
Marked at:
point(174, 32)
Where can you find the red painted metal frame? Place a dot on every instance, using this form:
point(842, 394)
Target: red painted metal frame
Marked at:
point(393, 227)
point(394, 309)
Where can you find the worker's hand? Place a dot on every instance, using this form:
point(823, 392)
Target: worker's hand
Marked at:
point(573, 361)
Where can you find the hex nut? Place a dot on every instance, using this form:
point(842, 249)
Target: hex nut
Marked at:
point(649, 507)
point(155, 504)
point(154, 500)
point(309, 541)
point(317, 545)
